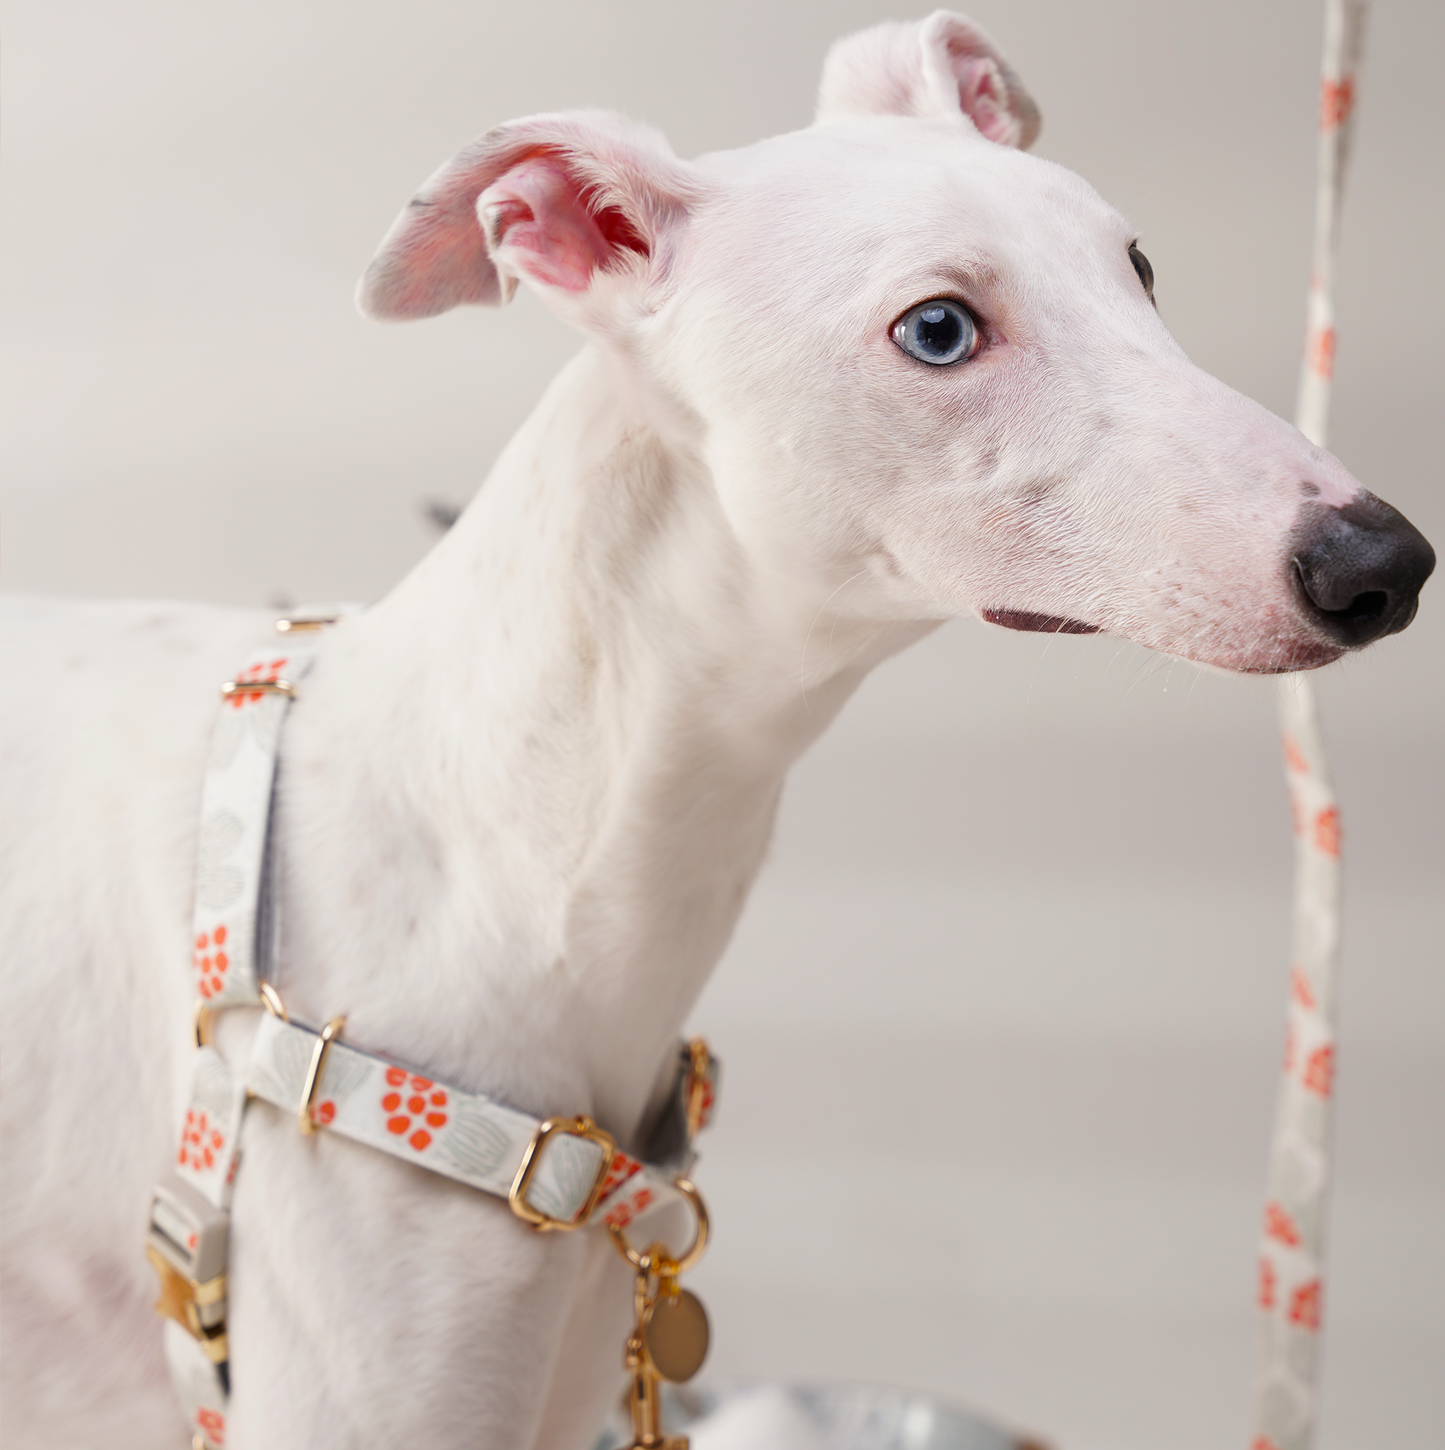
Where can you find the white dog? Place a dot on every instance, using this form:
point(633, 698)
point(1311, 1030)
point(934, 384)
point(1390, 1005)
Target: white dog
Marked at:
point(838, 387)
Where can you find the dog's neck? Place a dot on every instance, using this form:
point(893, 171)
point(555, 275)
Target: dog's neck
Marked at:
point(562, 741)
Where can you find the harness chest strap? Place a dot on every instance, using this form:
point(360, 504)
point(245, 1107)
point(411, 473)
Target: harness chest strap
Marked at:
point(561, 1173)
point(557, 1174)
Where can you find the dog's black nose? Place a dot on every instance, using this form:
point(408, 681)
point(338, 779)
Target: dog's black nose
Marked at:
point(1358, 569)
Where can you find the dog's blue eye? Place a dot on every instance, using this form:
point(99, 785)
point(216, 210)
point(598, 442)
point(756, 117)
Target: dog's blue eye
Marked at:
point(937, 332)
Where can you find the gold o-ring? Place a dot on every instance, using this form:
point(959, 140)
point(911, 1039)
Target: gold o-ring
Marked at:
point(695, 1250)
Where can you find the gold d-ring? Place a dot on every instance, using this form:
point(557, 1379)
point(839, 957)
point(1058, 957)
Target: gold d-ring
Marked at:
point(313, 1074)
point(203, 1023)
point(684, 1261)
point(272, 998)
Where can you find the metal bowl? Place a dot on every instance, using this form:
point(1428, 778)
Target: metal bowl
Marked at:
point(830, 1417)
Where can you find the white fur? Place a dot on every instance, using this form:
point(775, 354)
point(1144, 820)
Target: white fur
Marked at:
point(524, 796)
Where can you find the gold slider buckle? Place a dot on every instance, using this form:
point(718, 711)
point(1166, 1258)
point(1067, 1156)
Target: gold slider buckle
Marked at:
point(258, 687)
point(304, 623)
point(198, 1308)
point(186, 1244)
point(306, 1122)
point(581, 1127)
point(701, 1085)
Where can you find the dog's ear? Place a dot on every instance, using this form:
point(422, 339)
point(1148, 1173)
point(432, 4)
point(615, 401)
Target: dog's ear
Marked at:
point(559, 201)
point(942, 66)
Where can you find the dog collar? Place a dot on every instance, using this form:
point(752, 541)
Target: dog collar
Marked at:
point(556, 1174)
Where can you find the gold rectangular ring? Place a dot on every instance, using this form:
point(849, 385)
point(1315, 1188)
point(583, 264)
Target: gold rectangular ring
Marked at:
point(582, 1127)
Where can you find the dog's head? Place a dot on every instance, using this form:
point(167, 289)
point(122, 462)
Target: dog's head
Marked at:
point(922, 364)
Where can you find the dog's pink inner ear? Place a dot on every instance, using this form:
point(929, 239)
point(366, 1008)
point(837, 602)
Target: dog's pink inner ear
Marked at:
point(983, 98)
point(942, 66)
point(543, 223)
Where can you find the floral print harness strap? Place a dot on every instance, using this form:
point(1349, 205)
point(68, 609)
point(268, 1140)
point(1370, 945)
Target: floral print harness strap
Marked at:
point(559, 1174)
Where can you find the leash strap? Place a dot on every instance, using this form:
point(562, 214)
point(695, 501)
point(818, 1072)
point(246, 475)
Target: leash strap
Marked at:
point(1286, 1398)
point(556, 1174)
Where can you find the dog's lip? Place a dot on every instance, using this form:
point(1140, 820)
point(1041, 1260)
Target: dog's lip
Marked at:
point(1306, 655)
point(1038, 623)
point(1301, 654)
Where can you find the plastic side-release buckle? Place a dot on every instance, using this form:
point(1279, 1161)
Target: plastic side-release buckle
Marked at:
point(186, 1244)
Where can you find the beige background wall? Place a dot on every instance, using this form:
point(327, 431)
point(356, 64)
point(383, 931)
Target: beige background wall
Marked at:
point(1002, 1021)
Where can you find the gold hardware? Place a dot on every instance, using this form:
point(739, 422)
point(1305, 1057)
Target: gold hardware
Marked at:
point(182, 1299)
point(699, 1085)
point(643, 1400)
point(580, 1127)
point(204, 1023)
point(675, 1335)
point(258, 687)
point(272, 998)
point(670, 1338)
point(297, 626)
point(695, 1250)
point(313, 1073)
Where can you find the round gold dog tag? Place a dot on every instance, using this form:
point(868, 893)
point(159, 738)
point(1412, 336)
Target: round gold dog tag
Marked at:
point(675, 1336)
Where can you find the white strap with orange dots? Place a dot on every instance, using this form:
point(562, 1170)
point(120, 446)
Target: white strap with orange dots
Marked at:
point(186, 1239)
point(1292, 1250)
point(576, 1173)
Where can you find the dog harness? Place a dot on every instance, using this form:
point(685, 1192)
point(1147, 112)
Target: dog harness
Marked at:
point(557, 1174)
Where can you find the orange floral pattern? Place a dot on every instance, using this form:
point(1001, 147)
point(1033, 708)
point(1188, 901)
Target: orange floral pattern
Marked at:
point(622, 1214)
point(1319, 1073)
point(1279, 1225)
point(1294, 757)
point(413, 1100)
point(618, 1172)
point(1337, 100)
point(211, 959)
point(1267, 1283)
point(1322, 352)
point(201, 1141)
point(1299, 987)
point(1304, 1305)
point(1328, 832)
point(212, 1424)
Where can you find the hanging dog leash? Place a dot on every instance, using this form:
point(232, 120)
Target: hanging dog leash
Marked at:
point(559, 1174)
point(1291, 1268)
